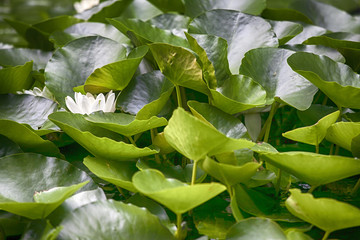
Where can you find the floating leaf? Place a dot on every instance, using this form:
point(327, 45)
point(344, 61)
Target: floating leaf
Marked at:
point(308, 31)
point(29, 109)
point(242, 32)
point(71, 65)
point(312, 168)
point(342, 133)
point(325, 213)
point(314, 134)
point(101, 147)
point(179, 66)
point(285, 30)
point(255, 228)
point(8, 147)
point(16, 78)
point(277, 78)
point(146, 95)
point(195, 139)
point(336, 80)
point(176, 23)
point(52, 180)
point(115, 172)
point(179, 197)
point(136, 223)
point(229, 174)
point(169, 5)
point(20, 56)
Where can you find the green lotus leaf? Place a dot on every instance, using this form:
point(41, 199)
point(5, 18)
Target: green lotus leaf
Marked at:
point(225, 123)
point(259, 204)
point(29, 109)
point(308, 31)
point(342, 133)
point(16, 78)
point(195, 139)
point(314, 134)
point(20, 56)
point(277, 78)
point(260, 178)
point(169, 5)
point(8, 147)
point(115, 76)
point(84, 29)
point(179, 197)
point(355, 146)
point(194, 8)
point(293, 234)
point(141, 9)
point(71, 65)
point(325, 213)
point(115, 172)
point(241, 31)
point(28, 140)
point(142, 33)
point(146, 95)
point(318, 50)
point(255, 228)
point(51, 179)
point(284, 14)
point(37, 34)
point(136, 223)
point(314, 113)
point(315, 169)
point(285, 30)
point(237, 94)
point(336, 80)
point(176, 23)
point(179, 66)
point(229, 174)
point(124, 124)
point(99, 146)
point(162, 144)
point(106, 9)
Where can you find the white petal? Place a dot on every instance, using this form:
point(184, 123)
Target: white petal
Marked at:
point(37, 91)
point(110, 102)
point(72, 106)
point(100, 103)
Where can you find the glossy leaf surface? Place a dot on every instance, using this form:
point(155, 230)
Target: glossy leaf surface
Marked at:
point(342, 133)
point(20, 56)
point(16, 78)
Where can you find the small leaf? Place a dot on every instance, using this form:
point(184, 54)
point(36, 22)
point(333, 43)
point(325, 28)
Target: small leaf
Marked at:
point(285, 30)
point(16, 78)
point(20, 56)
point(342, 133)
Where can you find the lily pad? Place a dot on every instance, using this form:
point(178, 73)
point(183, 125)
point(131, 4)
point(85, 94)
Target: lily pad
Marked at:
point(125, 124)
point(229, 174)
point(255, 228)
point(315, 169)
point(115, 172)
point(169, 5)
point(29, 109)
point(52, 180)
point(325, 213)
point(276, 77)
point(179, 66)
point(342, 133)
point(314, 134)
point(16, 78)
point(179, 197)
point(242, 32)
point(146, 95)
point(101, 147)
point(336, 80)
point(285, 30)
point(225, 123)
point(71, 65)
point(20, 56)
point(308, 31)
point(28, 140)
point(136, 223)
point(176, 23)
point(8, 147)
point(195, 139)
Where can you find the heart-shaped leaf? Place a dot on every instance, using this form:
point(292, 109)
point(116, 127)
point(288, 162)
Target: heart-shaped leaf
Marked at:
point(312, 168)
point(8, 147)
point(29, 109)
point(308, 31)
point(313, 134)
point(241, 31)
point(277, 78)
point(179, 66)
point(146, 95)
point(285, 30)
point(71, 65)
point(179, 197)
point(176, 23)
point(229, 174)
point(16, 78)
point(20, 56)
point(255, 228)
point(342, 133)
point(52, 180)
point(101, 147)
point(195, 139)
point(136, 223)
point(115, 172)
point(325, 213)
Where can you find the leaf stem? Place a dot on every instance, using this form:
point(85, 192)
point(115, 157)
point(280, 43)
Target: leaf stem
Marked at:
point(312, 188)
point(132, 140)
point(274, 107)
point(356, 188)
point(317, 148)
point(121, 191)
point(178, 95)
point(326, 235)
point(193, 176)
point(178, 225)
point(331, 149)
point(278, 183)
point(153, 133)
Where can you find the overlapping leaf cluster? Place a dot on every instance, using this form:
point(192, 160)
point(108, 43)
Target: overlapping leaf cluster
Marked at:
point(234, 120)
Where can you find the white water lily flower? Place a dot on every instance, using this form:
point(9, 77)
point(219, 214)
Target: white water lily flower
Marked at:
point(45, 93)
point(85, 5)
point(86, 104)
